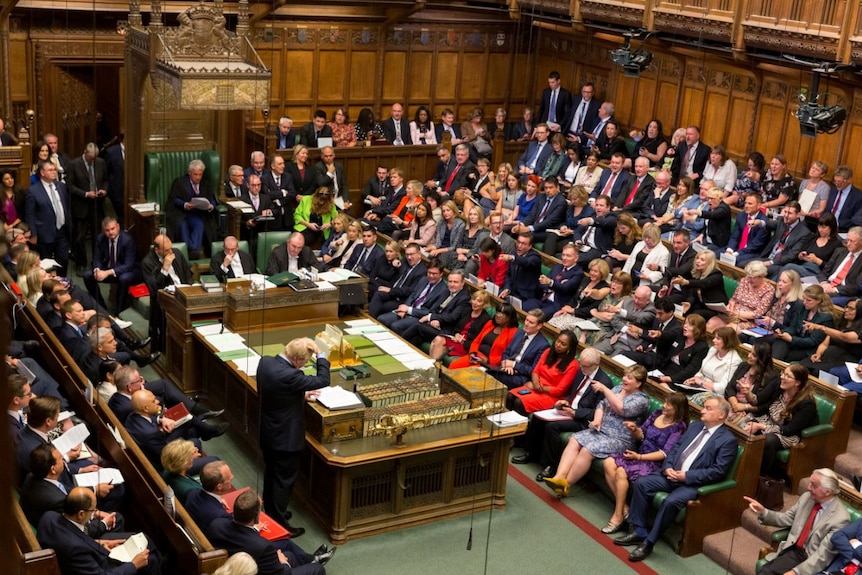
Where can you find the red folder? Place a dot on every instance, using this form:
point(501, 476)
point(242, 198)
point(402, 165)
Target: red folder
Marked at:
point(269, 528)
point(178, 413)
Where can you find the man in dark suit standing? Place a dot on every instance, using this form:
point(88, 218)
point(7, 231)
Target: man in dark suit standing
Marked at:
point(536, 155)
point(396, 129)
point(845, 199)
point(87, 183)
point(841, 275)
point(330, 174)
point(412, 270)
point(427, 294)
point(230, 262)
point(281, 558)
point(285, 135)
point(317, 128)
point(282, 387)
point(364, 259)
point(613, 181)
point(115, 161)
point(701, 457)
point(58, 158)
point(419, 329)
point(556, 101)
point(542, 438)
point(191, 210)
point(690, 156)
point(523, 352)
point(291, 256)
point(549, 212)
point(277, 183)
point(46, 211)
point(377, 188)
point(77, 552)
point(115, 260)
point(583, 115)
point(162, 267)
point(525, 266)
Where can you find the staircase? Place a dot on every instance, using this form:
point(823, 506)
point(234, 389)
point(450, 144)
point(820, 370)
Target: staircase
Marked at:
point(736, 551)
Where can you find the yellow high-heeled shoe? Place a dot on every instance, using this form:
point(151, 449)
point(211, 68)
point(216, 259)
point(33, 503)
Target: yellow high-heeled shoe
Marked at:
point(560, 486)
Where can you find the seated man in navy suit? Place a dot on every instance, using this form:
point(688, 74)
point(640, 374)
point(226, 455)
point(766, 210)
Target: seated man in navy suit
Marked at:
point(523, 352)
point(595, 235)
point(427, 294)
point(240, 534)
point(424, 324)
point(364, 259)
point(411, 272)
point(534, 158)
point(613, 181)
point(77, 552)
point(206, 505)
point(749, 235)
point(115, 260)
point(702, 456)
point(549, 211)
point(560, 285)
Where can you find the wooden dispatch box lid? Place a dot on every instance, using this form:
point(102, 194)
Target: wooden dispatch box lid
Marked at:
point(476, 385)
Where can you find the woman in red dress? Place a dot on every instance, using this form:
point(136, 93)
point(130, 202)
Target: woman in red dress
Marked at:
point(551, 380)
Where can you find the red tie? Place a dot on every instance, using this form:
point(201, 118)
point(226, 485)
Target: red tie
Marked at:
point(452, 177)
point(606, 191)
point(633, 192)
point(806, 531)
point(837, 203)
point(845, 269)
point(744, 239)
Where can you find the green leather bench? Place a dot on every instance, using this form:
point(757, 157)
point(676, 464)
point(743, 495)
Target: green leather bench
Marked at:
point(810, 453)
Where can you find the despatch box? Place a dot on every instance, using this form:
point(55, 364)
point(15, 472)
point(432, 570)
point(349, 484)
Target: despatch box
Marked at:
point(476, 385)
point(328, 426)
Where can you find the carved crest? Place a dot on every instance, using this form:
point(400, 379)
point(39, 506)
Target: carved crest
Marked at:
point(201, 33)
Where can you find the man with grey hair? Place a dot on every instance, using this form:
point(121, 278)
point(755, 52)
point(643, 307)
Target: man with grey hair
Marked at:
point(813, 519)
point(235, 187)
point(841, 275)
point(191, 214)
point(258, 165)
point(631, 318)
point(285, 135)
point(87, 181)
point(283, 389)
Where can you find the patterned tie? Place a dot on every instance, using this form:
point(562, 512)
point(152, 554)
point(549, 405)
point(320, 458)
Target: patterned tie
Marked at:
point(423, 295)
point(692, 447)
point(837, 203)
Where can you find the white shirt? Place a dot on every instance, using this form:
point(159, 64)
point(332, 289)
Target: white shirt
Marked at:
point(686, 465)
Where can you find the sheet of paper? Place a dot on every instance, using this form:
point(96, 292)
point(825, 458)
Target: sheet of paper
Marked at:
point(854, 375)
point(507, 419)
point(552, 415)
point(72, 438)
point(104, 475)
point(226, 341)
point(336, 397)
point(426, 363)
point(212, 329)
point(382, 337)
point(248, 365)
point(126, 552)
point(623, 360)
point(360, 322)
point(366, 329)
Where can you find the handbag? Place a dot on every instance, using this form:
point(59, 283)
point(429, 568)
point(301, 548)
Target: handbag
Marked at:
point(770, 492)
point(482, 146)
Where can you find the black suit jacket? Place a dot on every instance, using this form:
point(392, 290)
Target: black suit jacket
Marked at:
point(690, 359)
point(285, 141)
point(400, 292)
point(77, 552)
point(555, 216)
point(39, 496)
point(156, 280)
point(78, 182)
point(643, 195)
point(466, 174)
point(564, 101)
point(278, 259)
point(304, 183)
point(265, 202)
point(116, 164)
point(851, 281)
point(325, 181)
point(282, 388)
point(282, 190)
point(376, 188)
point(620, 184)
point(438, 293)
point(6, 139)
point(714, 460)
point(389, 131)
point(39, 212)
point(792, 245)
point(182, 193)
point(126, 254)
point(308, 138)
point(76, 344)
point(371, 261)
point(229, 193)
point(528, 154)
point(851, 212)
point(438, 131)
point(717, 229)
point(701, 157)
point(450, 315)
point(235, 538)
point(605, 226)
point(680, 265)
point(663, 344)
point(522, 277)
point(217, 260)
point(204, 509)
point(591, 117)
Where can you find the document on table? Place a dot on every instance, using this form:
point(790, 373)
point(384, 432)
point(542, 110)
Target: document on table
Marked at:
point(248, 364)
point(104, 475)
point(212, 329)
point(336, 397)
point(623, 360)
point(226, 341)
point(72, 438)
point(365, 330)
point(507, 419)
point(359, 322)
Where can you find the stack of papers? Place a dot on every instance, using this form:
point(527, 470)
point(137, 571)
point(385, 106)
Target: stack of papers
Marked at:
point(336, 397)
point(145, 207)
point(507, 419)
point(337, 275)
point(104, 475)
point(241, 206)
point(71, 438)
point(126, 552)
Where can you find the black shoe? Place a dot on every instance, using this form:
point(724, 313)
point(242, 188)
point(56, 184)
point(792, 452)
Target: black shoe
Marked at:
point(641, 552)
point(630, 538)
point(294, 532)
point(218, 430)
point(546, 472)
point(322, 549)
point(211, 414)
point(134, 343)
point(144, 360)
point(323, 558)
point(523, 458)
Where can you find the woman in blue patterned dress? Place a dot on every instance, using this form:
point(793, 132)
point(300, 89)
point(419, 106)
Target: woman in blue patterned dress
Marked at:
point(607, 433)
point(657, 435)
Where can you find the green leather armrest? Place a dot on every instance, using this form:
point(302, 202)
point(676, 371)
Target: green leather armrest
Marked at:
point(780, 535)
point(716, 487)
point(817, 430)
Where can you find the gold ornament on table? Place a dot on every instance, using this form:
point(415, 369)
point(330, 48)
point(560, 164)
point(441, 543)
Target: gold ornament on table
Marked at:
point(397, 425)
point(341, 351)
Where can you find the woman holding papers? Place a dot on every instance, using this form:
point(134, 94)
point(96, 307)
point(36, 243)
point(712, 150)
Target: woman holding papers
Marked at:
point(177, 458)
point(846, 333)
point(551, 380)
point(751, 299)
point(492, 340)
point(720, 363)
point(754, 383)
point(607, 433)
point(655, 437)
point(817, 186)
point(790, 412)
point(688, 352)
point(799, 339)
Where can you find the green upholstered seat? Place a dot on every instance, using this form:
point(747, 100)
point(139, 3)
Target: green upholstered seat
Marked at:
point(266, 242)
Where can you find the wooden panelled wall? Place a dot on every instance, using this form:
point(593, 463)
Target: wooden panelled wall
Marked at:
point(741, 105)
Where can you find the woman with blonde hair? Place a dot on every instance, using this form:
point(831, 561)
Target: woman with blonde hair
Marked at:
point(238, 564)
point(510, 192)
point(313, 216)
point(474, 233)
point(177, 457)
point(703, 284)
point(449, 232)
point(751, 299)
point(342, 248)
point(593, 289)
point(302, 173)
point(649, 257)
point(35, 277)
